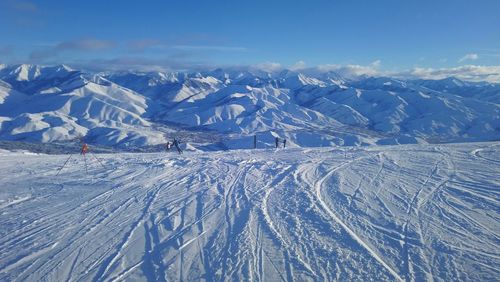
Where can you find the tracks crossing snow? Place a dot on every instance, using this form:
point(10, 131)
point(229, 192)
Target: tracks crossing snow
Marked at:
point(418, 212)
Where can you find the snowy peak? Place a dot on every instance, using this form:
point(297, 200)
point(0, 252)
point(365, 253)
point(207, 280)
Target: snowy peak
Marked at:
point(452, 82)
point(241, 77)
point(33, 78)
point(63, 104)
point(293, 81)
point(40, 103)
point(384, 83)
point(221, 75)
point(26, 72)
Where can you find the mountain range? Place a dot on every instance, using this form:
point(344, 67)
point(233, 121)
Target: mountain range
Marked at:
point(223, 109)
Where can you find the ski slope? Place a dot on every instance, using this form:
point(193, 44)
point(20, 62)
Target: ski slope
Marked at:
point(391, 213)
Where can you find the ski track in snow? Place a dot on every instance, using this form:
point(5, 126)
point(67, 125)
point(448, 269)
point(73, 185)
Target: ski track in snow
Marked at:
point(393, 213)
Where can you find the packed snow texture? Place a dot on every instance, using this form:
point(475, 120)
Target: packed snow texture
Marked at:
point(47, 104)
point(391, 213)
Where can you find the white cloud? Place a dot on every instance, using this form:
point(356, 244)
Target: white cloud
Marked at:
point(376, 63)
point(298, 65)
point(467, 72)
point(471, 57)
point(268, 66)
point(352, 71)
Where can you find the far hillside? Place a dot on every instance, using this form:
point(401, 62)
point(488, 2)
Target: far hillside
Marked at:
point(224, 109)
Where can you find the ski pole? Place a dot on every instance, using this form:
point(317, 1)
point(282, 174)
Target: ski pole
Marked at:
point(64, 164)
point(85, 159)
point(98, 160)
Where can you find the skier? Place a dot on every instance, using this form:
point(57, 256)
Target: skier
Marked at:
point(85, 149)
point(277, 140)
point(176, 144)
point(284, 143)
point(167, 146)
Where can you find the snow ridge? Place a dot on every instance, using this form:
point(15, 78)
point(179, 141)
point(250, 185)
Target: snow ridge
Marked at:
point(127, 109)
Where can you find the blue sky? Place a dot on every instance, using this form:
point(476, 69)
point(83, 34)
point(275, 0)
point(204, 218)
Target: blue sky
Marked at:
point(389, 35)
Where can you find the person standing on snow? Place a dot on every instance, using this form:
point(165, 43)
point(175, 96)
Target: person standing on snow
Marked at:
point(284, 143)
point(176, 144)
point(277, 140)
point(85, 149)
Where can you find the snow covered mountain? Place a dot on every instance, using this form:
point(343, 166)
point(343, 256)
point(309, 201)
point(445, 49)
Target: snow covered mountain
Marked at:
point(46, 104)
point(53, 104)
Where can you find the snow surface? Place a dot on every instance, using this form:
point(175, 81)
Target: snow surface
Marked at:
point(391, 213)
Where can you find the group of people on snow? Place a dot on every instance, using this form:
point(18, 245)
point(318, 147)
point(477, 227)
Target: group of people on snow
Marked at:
point(175, 144)
point(277, 140)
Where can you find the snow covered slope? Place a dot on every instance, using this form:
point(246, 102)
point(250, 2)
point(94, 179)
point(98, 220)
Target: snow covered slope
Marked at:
point(46, 104)
point(392, 213)
point(326, 108)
